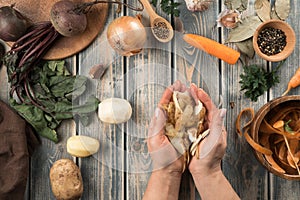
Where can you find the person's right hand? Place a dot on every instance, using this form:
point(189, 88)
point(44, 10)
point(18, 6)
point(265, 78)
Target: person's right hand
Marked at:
point(163, 154)
point(212, 148)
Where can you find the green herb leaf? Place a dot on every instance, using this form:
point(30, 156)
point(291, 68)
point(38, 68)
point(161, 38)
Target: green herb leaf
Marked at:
point(240, 5)
point(287, 128)
point(263, 9)
point(255, 80)
point(168, 6)
point(246, 47)
point(37, 119)
point(55, 90)
point(244, 30)
point(282, 8)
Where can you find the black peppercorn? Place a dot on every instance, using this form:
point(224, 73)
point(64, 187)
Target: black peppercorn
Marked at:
point(161, 30)
point(271, 41)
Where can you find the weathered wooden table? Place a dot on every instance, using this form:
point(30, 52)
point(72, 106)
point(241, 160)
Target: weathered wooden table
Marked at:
point(122, 167)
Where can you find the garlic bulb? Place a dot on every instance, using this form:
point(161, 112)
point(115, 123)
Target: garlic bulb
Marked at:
point(197, 5)
point(229, 18)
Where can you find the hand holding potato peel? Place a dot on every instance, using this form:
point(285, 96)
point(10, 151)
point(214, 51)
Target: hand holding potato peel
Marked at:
point(172, 156)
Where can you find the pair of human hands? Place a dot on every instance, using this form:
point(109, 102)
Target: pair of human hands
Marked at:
point(212, 148)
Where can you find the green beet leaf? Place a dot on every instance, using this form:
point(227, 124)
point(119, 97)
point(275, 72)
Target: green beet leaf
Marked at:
point(55, 89)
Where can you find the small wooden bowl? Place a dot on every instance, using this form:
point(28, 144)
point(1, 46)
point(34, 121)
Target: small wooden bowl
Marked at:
point(290, 40)
point(266, 112)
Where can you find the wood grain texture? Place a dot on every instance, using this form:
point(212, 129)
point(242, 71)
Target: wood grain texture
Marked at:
point(281, 188)
point(244, 172)
point(121, 168)
point(47, 153)
point(103, 172)
point(192, 65)
point(147, 76)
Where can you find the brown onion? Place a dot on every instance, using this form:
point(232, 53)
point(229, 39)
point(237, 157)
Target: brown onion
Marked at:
point(127, 35)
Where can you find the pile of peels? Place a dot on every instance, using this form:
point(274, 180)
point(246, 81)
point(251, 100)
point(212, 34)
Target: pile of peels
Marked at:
point(280, 133)
point(185, 124)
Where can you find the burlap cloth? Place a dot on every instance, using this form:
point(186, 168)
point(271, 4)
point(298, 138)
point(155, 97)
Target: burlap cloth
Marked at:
point(17, 142)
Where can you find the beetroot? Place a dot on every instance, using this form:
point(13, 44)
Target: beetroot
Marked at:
point(66, 20)
point(12, 24)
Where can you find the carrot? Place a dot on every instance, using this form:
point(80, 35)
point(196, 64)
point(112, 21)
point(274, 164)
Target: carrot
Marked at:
point(294, 82)
point(212, 47)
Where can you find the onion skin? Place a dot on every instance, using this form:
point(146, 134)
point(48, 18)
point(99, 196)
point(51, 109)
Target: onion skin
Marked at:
point(127, 35)
point(65, 20)
point(13, 24)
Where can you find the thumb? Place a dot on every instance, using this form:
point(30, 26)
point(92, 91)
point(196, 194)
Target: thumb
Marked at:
point(157, 122)
point(216, 127)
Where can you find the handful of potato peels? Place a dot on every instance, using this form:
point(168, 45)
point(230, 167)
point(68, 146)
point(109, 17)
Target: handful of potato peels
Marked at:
point(185, 124)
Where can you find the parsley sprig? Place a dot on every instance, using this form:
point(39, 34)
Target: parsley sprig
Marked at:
point(168, 6)
point(255, 80)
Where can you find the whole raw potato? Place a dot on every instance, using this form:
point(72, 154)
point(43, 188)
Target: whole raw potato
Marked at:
point(66, 180)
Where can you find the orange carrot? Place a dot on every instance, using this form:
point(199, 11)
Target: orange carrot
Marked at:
point(294, 82)
point(212, 47)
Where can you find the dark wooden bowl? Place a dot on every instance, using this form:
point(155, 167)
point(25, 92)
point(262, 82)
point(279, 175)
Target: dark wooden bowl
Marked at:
point(290, 39)
point(266, 112)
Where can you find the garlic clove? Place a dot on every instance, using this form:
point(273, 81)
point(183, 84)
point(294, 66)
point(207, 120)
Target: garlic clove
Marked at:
point(114, 111)
point(82, 146)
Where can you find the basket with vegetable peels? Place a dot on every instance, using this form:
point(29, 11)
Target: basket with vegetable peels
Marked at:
point(275, 135)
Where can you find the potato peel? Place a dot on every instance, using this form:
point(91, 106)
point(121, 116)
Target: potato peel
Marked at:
point(185, 124)
point(278, 139)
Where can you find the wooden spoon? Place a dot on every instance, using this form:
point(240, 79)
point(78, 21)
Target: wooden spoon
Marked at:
point(161, 28)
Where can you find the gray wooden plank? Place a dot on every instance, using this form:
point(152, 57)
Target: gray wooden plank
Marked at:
point(38, 181)
point(244, 172)
point(147, 76)
point(146, 81)
point(195, 66)
point(103, 172)
point(47, 153)
point(279, 187)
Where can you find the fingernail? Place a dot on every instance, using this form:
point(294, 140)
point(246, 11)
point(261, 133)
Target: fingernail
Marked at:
point(222, 112)
point(157, 112)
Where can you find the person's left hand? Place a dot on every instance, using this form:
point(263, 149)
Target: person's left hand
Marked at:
point(163, 154)
point(212, 148)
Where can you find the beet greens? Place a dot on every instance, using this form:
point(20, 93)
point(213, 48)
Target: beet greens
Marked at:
point(23, 61)
point(28, 50)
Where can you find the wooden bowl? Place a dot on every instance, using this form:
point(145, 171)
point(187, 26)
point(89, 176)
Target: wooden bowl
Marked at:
point(290, 40)
point(267, 112)
point(39, 10)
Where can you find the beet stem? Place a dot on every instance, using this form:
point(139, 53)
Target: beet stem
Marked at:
point(34, 30)
point(35, 46)
point(84, 7)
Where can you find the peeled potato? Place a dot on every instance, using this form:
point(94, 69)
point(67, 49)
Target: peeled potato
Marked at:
point(66, 180)
point(114, 111)
point(82, 146)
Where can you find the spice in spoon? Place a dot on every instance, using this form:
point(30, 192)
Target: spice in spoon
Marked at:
point(160, 29)
point(271, 41)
